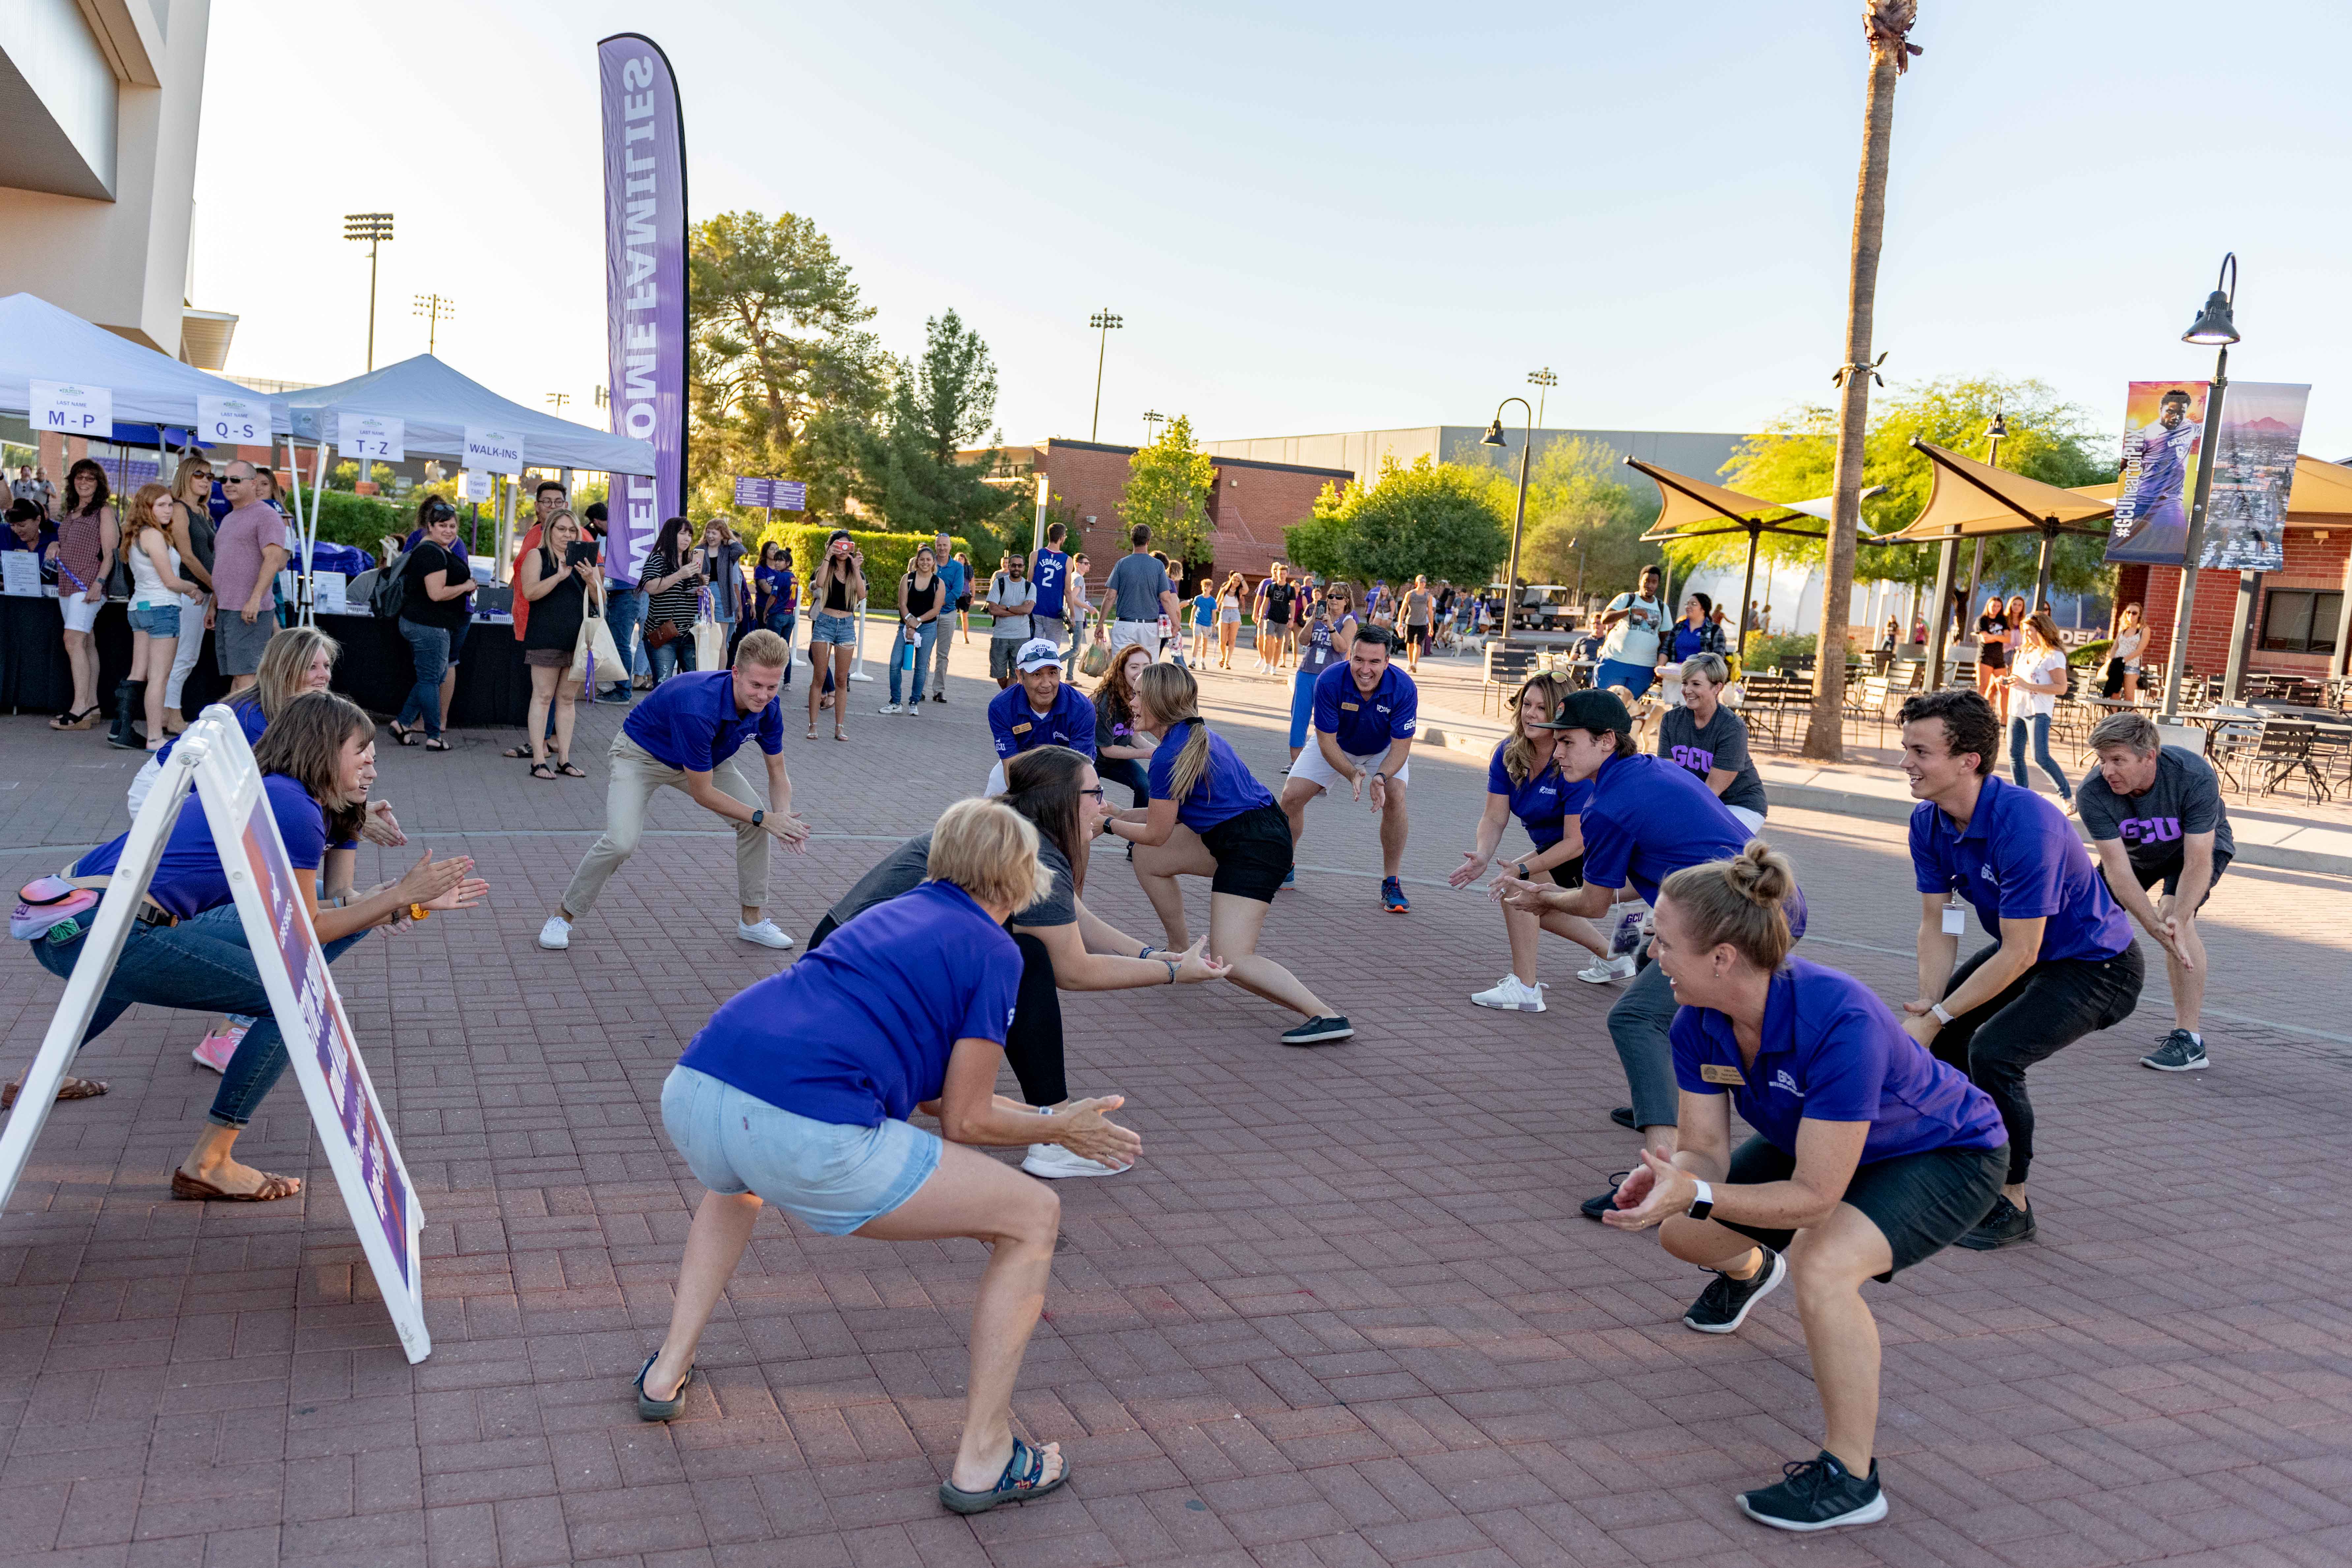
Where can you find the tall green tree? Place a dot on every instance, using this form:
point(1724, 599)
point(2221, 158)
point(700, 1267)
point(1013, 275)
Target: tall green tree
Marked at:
point(2049, 440)
point(1448, 519)
point(1584, 520)
point(910, 472)
point(781, 373)
point(1168, 486)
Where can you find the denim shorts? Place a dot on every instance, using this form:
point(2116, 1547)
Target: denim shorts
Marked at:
point(156, 620)
point(834, 627)
point(829, 1177)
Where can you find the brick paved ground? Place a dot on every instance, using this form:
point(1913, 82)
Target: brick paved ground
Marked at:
point(1343, 1313)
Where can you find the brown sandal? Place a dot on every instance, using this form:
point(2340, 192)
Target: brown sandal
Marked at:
point(273, 1188)
point(70, 1089)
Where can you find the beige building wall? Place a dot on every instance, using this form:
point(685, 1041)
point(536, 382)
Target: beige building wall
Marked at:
point(119, 261)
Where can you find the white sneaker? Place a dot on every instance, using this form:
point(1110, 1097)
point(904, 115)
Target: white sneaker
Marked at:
point(1512, 995)
point(1602, 971)
point(767, 933)
point(889, 708)
point(556, 935)
point(1054, 1162)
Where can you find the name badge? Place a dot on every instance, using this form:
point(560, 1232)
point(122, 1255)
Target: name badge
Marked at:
point(1020, 729)
point(1723, 1073)
point(1956, 919)
point(1347, 707)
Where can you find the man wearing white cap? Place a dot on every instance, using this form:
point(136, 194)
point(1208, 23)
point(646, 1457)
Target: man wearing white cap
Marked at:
point(1037, 709)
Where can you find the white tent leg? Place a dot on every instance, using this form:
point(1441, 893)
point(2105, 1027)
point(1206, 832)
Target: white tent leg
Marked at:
point(858, 668)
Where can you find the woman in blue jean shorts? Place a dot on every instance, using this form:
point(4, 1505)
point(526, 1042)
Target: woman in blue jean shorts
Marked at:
point(156, 592)
point(798, 1092)
point(837, 588)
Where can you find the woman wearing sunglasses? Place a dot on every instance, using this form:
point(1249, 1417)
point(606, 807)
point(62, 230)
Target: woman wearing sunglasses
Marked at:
point(1323, 641)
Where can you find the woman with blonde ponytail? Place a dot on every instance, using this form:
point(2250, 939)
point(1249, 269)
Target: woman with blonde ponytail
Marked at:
point(1869, 1156)
point(1209, 816)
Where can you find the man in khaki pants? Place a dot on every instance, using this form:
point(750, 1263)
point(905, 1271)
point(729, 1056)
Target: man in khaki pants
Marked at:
point(686, 735)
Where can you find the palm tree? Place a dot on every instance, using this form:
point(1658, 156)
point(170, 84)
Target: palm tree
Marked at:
point(1887, 24)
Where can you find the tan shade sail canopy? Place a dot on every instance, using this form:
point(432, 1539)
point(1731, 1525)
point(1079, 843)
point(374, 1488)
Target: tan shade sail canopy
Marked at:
point(2320, 490)
point(1694, 507)
point(1972, 498)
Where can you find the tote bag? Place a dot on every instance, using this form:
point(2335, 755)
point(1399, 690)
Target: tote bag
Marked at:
point(710, 637)
point(595, 657)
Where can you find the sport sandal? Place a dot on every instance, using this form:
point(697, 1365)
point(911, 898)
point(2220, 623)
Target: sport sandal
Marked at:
point(1019, 1483)
point(652, 1409)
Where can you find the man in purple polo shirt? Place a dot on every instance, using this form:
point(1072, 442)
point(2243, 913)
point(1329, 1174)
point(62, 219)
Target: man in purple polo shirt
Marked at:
point(686, 735)
point(2063, 964)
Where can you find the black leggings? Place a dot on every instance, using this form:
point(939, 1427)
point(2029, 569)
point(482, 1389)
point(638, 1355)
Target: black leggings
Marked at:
point(1033, 1045)
point(1128, 770)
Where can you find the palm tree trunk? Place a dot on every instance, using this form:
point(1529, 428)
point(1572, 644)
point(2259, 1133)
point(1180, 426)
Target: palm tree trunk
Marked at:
point(1885, 22)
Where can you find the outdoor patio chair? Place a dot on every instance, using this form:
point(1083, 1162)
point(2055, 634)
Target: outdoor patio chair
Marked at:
point(2284, 751)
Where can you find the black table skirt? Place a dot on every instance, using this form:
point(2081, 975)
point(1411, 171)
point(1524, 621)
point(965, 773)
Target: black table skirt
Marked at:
point(375, 669)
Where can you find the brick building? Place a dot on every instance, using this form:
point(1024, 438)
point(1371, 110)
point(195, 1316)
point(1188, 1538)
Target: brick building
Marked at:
point(1251, 505)
point(2294, 620)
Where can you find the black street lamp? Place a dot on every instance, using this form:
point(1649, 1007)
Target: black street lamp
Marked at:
point(1494, 437)
point(2215, 325)
point(1104, 322)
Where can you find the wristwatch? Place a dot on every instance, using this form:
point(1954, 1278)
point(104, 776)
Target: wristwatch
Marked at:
point(1702, 1205)
point(1937, 1012)
point(758, 817)
point(1521, 867)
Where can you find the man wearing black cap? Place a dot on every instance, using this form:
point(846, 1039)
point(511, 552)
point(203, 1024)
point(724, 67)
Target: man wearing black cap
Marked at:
point(1647, 818)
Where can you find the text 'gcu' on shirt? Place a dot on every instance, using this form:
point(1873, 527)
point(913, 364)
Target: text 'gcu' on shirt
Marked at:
point(861, 1029)
point(690, 721)
point(1225, 789)
point(1543, 801)
point(2186, 798)
point(1365, 723)
point(1831, 1050)
point(1649, 818)
point(1015, 726)
point(1051, 574)
point(2018, 858)
point(1722, 743)
point(189, 878)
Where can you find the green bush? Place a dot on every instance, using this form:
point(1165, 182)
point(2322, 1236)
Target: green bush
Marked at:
point(361, 520)
point(2090, 655)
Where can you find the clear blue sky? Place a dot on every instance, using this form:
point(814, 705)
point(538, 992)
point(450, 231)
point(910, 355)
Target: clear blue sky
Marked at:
point(1327, 218)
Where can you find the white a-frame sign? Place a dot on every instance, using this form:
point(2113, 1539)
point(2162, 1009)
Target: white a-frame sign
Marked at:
point(213, 757)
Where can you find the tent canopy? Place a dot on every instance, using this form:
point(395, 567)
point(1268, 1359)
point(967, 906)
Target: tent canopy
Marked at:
point(2320, 490)
point(1971, 499)
point(1695, 509)
point(38, 342)
point(436, 403)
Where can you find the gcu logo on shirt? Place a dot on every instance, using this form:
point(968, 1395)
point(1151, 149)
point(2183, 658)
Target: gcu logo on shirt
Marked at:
point(1692, 757)
point(1990, 875)
point(1786, 1085)
point(2151, 829)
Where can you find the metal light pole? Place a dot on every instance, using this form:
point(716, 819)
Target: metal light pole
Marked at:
point(1995, 433)
point(1494, 437)
point(1102, 322)
point(435, 309)
point(1544, 379)
point(2216, 325)
point(1152, 419)
point(557, 399)
point(374, 228)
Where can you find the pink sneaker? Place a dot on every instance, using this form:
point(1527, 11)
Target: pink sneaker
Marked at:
point(216, 1049)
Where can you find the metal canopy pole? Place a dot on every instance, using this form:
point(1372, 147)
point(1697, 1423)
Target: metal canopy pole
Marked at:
point(1939, 630)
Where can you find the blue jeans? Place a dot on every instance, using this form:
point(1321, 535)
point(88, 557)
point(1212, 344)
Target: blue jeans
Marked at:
point(624, 612)
point(1634, 677)
point(2040, 723)
point(431, 646)
point(201, 965)
point(1128, 770)
point(673, 657)
point(784, 623)
point(1302, 704)
point(925, 635)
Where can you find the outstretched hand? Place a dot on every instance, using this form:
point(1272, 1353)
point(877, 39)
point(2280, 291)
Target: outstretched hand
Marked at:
point(1657, 1189)
point(428, 880)
point(1084, 1129)
point(1194, 964)
point(1472, 867)
point(1380, 791)
point(1522, 893)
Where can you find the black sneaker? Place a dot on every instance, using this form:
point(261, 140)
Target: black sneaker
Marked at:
point(1624, 1117)
point(2005, 1226)
point(1315, 1031)
point(2181, 1052)
point(1723, 1306)
point(1818, 1494)
point(1593, 1208)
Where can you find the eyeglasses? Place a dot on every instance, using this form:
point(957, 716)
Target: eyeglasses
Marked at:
point(1096, 792)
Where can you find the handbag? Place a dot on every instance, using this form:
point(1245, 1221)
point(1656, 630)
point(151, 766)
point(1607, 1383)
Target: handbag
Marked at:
point(1093, 660)
point(709, 636)
point(596, 650)
point(662, 633)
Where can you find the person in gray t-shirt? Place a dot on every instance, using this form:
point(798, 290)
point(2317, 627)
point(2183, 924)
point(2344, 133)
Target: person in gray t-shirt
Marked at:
point(1138, 594)
point(1064, 946)
point(1711, 741)
point(2155, 815)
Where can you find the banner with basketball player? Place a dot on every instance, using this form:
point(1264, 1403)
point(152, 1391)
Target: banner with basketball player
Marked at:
point(2253, 469)
point(2164, 424)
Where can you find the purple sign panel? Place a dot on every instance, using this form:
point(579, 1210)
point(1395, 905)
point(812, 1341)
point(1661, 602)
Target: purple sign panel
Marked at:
point(645, 281)
point(782, 495)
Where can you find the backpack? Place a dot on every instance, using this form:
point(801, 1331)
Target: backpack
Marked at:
point(390, 591)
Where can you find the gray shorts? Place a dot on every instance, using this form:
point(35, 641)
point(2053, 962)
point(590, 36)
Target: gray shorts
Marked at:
point(1005, 655)
point(237, 648)
point(1050, 627)
point(829, 1177)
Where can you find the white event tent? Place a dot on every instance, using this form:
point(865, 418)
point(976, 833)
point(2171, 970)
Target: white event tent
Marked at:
point(437, 409)
point(38, 342)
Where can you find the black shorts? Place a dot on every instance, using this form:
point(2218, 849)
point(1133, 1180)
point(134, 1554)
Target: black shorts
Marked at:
point(1416, 636)
point(1253, 852)
point(963, 601)
point(1920, 1202)
point(2168, 873)
point(1570, 873)
point(825, 927)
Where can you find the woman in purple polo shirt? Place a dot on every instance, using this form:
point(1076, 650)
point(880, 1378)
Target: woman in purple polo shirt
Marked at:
point(798, 1093)
point(1869, 1156)
point(1524, 780)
